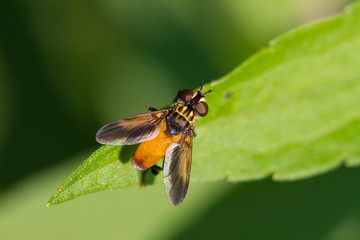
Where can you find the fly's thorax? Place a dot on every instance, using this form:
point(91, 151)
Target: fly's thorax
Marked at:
point(187, 112)
point(181, 118)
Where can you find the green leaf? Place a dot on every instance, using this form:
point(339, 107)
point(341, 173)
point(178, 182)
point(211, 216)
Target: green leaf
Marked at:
point(290, 111)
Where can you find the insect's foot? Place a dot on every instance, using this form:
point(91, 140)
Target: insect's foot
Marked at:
point(151, 108)
point(143, 179)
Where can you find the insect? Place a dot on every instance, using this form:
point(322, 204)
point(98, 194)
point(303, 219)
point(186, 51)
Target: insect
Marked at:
point(162, 133)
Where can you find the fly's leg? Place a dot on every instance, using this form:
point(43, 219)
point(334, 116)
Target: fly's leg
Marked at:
point(151, 108)
point(193, 132)
point(143, 178)
point(154, 169)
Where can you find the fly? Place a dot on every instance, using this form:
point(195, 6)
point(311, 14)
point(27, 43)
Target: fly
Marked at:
point(165, 133)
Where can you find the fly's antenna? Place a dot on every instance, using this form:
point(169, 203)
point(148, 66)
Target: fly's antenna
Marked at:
point(202, 85)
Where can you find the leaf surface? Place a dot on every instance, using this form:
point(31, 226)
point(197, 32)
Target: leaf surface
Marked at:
point(291, 111)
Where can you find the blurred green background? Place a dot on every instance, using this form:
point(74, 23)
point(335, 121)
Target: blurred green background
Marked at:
point(69, 67)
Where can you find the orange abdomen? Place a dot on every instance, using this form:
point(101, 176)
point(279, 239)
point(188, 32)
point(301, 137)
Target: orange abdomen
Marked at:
point(152, 151)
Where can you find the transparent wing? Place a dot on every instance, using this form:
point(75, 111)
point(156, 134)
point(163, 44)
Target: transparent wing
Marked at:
point(131, 130)
point(177, 169)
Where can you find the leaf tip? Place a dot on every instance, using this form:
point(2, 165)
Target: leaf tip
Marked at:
point(52, 199)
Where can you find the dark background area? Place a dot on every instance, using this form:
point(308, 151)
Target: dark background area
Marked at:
point(307, 209)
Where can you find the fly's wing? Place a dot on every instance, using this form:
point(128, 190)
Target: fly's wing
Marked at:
point(131, 130)
point(177, 168)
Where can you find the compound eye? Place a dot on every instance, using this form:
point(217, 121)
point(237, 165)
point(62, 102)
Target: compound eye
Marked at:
point(202, 109)
point(185, 95)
